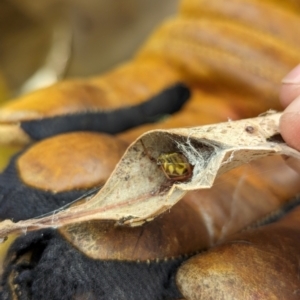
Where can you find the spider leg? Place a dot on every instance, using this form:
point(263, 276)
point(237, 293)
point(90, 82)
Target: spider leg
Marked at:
point(147, 152)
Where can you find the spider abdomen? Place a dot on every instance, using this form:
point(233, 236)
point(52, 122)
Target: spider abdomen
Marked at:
point(175, 166)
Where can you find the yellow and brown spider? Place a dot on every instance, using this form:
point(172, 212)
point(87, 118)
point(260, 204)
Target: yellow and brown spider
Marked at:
point(175, 165)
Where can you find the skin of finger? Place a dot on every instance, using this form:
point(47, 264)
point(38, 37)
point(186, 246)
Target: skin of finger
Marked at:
point(290, 124)
point(288, 93)
point(290, 88)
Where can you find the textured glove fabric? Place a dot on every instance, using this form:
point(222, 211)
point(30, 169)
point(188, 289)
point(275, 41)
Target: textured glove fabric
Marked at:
point(56, 270)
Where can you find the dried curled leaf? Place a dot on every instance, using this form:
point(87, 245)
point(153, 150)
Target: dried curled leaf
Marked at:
point(138, 190)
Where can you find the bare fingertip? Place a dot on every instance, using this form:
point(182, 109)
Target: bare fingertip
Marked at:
point(293, 77)
point(288, 93)
point(290, 129)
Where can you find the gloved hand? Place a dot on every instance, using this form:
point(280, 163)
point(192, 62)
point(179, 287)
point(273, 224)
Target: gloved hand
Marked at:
point(212, 69)
point(56, 171)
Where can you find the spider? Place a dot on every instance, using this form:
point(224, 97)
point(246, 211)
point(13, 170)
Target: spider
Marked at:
point(175, 165)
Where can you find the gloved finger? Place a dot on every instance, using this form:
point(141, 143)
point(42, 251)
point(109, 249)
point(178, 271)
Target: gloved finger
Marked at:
point(111, 262)
point(118, 100)
point(55, 172)
point(256, 263)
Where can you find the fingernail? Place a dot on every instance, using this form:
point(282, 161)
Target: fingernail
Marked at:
point(293, 77)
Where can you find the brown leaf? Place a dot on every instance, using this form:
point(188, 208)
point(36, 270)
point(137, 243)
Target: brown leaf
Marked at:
point(138, 190)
